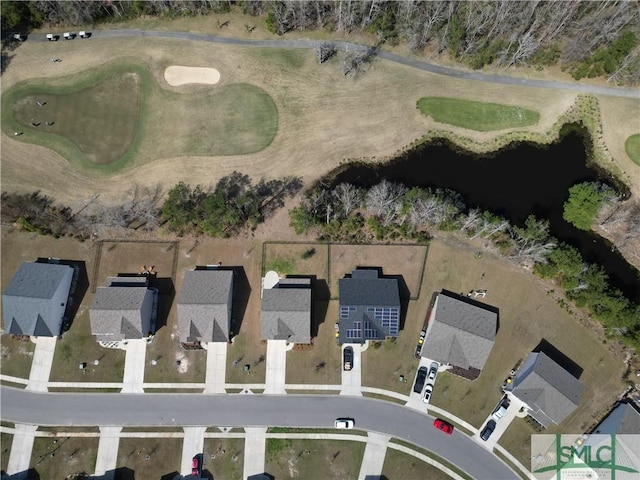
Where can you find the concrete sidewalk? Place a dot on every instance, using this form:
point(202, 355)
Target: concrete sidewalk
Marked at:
point(134, 366)
point(254, 451)
point(21, 448)
point(216, 367)
point(373, 458)
point(42, 362)
point(108, 452)
point(276, 366)
point(192, 445)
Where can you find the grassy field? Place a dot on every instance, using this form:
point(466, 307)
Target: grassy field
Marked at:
point(517, 440)
point(148, 458)
point(296, 259)
point(62, 457)
point(400, 466)
point(16, 356)
point(480, 116)
point(632, 146)
point(96, 124)
point(97, 121)
point(78, 346)
point(313, 459)
point(224, 458)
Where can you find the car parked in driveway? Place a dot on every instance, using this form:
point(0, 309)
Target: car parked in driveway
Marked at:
point(347, 358)
point(344, 423)
point(488, 430)
point(501, 409)
point(196, 468)
point(421, 377)
point(443, 425)
point(433, 372)
point(428, 390)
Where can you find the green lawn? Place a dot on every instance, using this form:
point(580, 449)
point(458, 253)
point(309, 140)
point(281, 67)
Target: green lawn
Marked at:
point(79, 346)
point(224, 458)
point(148, 457)
point(632, 146)
point(479, 116)
point(64, 457)
point(400, 466)
point(16, 356)
point(313, 459)
point(101, 120)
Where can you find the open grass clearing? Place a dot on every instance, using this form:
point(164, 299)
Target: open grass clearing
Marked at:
point(400, 466)
point(58, 430)
point(148, 457)
point(16, 355)
point(78, 346)
point(6, 440)
point(313, 459)
point(296, 259)
point(632, 146)
point(331, 431)
point(321, 364)
point(405, 261)
point(517, 440)
point(527, 315)
point(428, 454)
point(241, 353)
point(224, 458)
point(104, 118)
point(62, 457)
point(480, 116)
point(96, 122)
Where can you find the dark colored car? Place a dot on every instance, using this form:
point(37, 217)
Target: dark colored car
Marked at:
point(347, 358)
point(488, 430)
point(195, 465)
point(420, 379)
point(446, 427)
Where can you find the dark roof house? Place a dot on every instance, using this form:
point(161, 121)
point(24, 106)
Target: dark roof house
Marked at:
point(204, 306)
point(369, 307)
point(35, 300)
point(550, 392)
point(623, 419)
point(122, 310)
point(286, 311)
point(461, 332)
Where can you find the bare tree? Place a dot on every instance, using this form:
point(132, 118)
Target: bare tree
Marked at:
point(347, 198)
point(325, 51)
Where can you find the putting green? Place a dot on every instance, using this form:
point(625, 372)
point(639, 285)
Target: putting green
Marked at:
point(479, 116)
point(632, 146)
point(120, 116)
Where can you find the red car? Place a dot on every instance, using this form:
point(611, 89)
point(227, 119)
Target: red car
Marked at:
point(446, 427)
point(195, 466)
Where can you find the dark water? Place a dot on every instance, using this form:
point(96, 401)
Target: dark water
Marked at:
point(515, 182)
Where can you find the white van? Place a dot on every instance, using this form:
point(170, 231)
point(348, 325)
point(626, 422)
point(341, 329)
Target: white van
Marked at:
point(500, 411)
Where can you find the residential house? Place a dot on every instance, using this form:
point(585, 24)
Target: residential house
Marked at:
point(36, 298)
point(122, 310)
point(461, 333)
point(369, 307)
point(286, 311)
point(204, 306)
point(550, 393)
point(623, 419)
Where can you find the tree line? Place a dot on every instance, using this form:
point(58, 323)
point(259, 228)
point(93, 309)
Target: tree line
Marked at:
point(234, 205)
point(598, 38)
point(390, 211)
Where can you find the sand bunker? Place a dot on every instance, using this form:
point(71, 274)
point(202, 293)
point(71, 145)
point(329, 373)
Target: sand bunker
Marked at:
point(176, 75)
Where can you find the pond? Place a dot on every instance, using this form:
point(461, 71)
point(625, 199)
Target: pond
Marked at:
point(514, 182)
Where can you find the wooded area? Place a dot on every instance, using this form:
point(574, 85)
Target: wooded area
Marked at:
point(589, 39)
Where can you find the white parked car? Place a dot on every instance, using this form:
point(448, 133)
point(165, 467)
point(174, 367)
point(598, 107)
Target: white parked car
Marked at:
point(428, 390)
point(344, 423)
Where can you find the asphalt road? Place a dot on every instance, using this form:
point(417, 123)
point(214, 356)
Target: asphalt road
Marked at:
point(89, 409)
point(419, 64)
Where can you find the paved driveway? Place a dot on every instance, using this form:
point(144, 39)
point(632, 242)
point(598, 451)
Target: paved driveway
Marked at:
point(276, 366)
point(42, 362)
point(216, 367)
point(134, 366)
point(352, 380)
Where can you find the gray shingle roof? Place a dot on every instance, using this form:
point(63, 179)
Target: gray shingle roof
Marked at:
point(460, 334)
point(204, 306)
point(35, 299)
point(550, 391)
point(286, 311)
point(623, 419)
point(120, 313)
point(362, 291)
